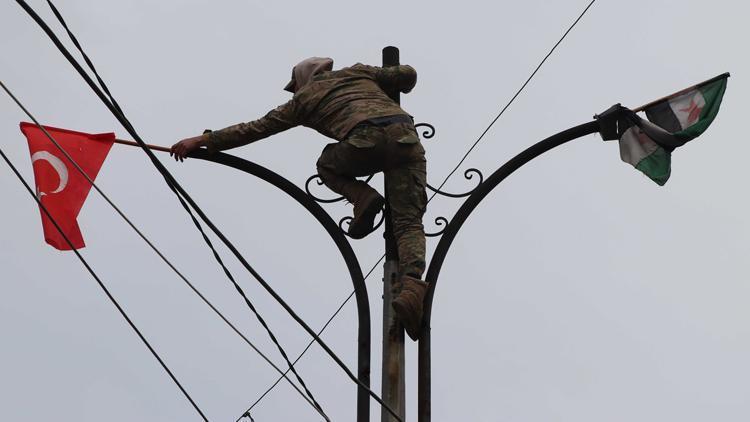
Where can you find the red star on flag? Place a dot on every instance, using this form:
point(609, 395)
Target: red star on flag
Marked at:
point(693, 111)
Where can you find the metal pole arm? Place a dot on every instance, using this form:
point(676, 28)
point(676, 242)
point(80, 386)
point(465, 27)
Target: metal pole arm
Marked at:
point(347, 253)
point(485, 188)
point(433, 272)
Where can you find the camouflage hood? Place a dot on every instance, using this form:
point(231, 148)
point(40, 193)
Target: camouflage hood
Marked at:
point(303, 73)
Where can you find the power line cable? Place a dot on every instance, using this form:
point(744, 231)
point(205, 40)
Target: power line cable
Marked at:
point(502, 111)
point(183, 196)
point(268, 390)
point(104, 288)
point(539, 66)
point(195, 221)
point(260, 319)
point(151, 245)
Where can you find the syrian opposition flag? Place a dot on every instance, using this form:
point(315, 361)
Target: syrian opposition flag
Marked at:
point(60, 186)
point(672, 122)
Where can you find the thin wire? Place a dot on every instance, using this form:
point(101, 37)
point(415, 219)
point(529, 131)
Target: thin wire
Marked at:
point(88, 61)
point(257, 314)
point(539, 66)
point(180, 193)
point(514, 97)
point(247, 412)
point(103, 85)
point(262, 321)
point(507, 105)
point(150, 244)
point(104, 288)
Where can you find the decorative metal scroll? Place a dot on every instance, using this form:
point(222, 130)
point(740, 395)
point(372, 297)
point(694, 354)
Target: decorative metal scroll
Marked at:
point(427, 132)
point(440, 222)
point(344, 221)
point(319, 182)
point(468, 175)
point(347, 220)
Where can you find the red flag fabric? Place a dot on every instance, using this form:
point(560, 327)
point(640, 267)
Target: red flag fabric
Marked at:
point(61, 188)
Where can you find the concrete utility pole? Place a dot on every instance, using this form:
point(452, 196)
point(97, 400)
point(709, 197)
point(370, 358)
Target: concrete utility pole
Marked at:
point(394, 385)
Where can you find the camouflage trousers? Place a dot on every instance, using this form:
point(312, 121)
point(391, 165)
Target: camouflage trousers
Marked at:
point(396, 151)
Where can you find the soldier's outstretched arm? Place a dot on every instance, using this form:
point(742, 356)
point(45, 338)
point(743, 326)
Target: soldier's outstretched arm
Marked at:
point(181, 149)
point(277, 120)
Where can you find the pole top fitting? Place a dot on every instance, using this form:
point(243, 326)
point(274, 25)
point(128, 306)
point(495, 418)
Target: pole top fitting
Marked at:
point(390, 56)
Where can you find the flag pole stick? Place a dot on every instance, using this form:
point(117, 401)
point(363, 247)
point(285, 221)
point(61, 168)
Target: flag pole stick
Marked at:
point(153, 147)
point(680, 92)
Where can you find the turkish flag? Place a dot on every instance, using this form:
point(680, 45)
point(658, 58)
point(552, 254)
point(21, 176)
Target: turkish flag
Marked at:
point(60, 186)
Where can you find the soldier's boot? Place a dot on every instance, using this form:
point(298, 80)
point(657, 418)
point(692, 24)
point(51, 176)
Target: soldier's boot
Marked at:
point(367, 203)
point(409, 305)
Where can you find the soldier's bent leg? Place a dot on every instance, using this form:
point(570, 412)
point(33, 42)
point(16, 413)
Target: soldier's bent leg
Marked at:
point(337, 167)
point(340, 163)
point(407, 198)
point(330, 173)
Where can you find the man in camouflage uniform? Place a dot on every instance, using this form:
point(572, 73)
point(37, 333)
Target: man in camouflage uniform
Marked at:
point(374, 134)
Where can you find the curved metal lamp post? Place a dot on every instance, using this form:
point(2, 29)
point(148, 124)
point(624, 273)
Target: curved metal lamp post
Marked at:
point(433, 271)
point(449, 231)
point(355, 272)
point(393, 348)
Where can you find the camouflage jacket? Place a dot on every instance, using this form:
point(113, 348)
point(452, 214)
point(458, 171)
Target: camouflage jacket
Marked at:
point(332, 103)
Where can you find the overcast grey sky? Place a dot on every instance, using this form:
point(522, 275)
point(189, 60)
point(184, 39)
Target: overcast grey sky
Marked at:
point(578, 291)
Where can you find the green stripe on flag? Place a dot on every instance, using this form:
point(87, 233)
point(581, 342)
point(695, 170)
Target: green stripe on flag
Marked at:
point(657, 166)
point(712, 94)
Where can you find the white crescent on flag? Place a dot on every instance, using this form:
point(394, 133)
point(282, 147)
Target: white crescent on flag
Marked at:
point(57, 164)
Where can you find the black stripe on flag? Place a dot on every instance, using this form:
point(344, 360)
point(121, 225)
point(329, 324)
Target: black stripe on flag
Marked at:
point(661, 114)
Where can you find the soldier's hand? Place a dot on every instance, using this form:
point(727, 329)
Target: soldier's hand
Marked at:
point(181, 149)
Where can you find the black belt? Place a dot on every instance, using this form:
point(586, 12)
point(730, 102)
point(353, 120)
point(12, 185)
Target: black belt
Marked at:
point(387, 120)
